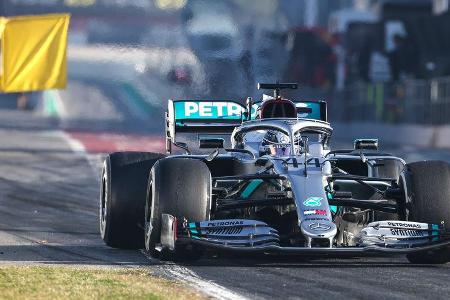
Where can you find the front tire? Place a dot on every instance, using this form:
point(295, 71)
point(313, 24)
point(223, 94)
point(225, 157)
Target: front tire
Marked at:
point(180, 187)
point(428, 191)
point(122, 198)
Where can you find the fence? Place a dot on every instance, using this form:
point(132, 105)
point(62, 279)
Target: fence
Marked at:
point(413, 101)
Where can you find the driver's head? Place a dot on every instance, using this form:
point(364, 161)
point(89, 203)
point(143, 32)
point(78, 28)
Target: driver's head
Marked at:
point(276, 143)
point(277, 108)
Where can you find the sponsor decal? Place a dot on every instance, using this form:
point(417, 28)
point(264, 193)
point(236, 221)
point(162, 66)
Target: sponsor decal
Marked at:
point(316, 219)
point(407, 225)
point(319, 212)
point(224, 230)
point(407, 232)
point(313, 201)
point(208, 110)
point(319, 226)
point(225, 223)
point(281, 146)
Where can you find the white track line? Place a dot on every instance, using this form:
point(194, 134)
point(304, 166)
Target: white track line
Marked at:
point(75, 145)
point(78, 148)
point(189, 277)
point(207, 287)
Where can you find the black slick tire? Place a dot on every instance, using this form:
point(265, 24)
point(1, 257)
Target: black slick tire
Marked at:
point(122, 198)
point(180, 187)
point(428, 190)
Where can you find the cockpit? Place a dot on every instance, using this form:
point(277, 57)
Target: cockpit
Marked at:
point(281, 137)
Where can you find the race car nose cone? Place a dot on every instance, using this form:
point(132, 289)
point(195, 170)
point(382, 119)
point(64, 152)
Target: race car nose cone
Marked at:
point(322, 229)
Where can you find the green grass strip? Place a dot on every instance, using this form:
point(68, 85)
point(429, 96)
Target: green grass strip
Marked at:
point(56, 282)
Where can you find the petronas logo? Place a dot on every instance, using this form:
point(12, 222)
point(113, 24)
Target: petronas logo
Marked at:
point(313, 201)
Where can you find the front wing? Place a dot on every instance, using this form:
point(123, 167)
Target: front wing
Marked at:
point(242, 236)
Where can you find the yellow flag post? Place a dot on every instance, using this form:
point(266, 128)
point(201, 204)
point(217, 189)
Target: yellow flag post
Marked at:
point(33, 52)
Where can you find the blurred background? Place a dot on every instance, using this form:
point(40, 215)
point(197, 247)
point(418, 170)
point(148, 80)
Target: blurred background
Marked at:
point(383, 66)
point(373, 61)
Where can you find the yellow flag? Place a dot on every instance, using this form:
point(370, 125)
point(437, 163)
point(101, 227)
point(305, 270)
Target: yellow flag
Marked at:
point(33, 52)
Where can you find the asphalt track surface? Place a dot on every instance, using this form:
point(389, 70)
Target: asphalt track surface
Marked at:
point(49, 214)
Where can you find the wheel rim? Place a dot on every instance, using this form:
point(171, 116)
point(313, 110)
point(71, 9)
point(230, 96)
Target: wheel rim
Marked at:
point(103, 205)
point(147, 221)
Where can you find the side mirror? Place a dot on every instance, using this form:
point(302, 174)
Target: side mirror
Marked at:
point(366, 144)
point(211, 143)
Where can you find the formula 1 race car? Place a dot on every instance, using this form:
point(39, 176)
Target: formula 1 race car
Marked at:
point(270, 184)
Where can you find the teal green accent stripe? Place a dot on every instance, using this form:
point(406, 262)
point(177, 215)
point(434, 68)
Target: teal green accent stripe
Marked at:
point(333, 208)
point(435, 234)
point(191, 225)
point(251, 187)
point(194, 231)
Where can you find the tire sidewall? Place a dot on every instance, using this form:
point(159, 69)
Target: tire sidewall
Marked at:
point(105, 200)
point(154, 199)
point(153, 215)
point(423, 183)
point(123, 195)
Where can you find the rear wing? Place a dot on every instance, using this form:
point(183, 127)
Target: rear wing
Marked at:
point(218, 118)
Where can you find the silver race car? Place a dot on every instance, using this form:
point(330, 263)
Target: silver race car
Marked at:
point(262, 178)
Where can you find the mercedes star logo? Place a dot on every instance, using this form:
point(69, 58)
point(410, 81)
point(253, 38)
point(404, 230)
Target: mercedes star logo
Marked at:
point(319, 227)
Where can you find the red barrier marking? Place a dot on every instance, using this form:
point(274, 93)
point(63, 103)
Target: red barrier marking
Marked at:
point(112, 142)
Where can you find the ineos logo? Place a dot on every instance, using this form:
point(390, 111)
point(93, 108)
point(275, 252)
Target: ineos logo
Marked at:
point(319, 227)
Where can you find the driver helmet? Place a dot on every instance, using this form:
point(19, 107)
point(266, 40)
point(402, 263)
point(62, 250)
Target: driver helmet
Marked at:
point(274, 142)
point(277, 108)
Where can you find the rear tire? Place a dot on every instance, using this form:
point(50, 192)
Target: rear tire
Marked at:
point(122, 198)
point(180, 187)
point(428, 190)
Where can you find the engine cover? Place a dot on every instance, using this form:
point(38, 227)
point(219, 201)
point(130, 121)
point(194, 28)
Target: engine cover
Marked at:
point(398, 234)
